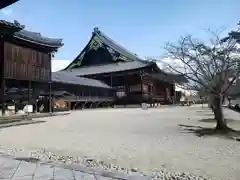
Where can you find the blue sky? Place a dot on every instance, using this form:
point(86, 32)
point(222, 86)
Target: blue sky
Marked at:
point(142, 26)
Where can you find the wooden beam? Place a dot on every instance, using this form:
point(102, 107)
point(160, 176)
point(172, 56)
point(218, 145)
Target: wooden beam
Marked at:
point(50, 96)
point(2, 79)
point(29, 93)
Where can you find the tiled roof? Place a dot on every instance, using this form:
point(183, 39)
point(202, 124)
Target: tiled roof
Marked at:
point(235, 35)
point(37, 38)
point(133, 62)
point(30, 36)
point(114, 45)
point(108, 68)
point(167, 77)
point(108, 42)
point(15, 25)
point(55, 93)
point(65, 77)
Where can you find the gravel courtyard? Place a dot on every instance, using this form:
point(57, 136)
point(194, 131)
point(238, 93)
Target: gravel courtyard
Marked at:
point(134, 138)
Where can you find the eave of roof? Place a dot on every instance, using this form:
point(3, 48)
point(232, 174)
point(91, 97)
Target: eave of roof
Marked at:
point(68, 78)
point(169, 77)
point(108, 42)
point(37, 38)
point(115, 46)
point(9, 27)
point(31, 37)
point(235, 35)
point(108, 68)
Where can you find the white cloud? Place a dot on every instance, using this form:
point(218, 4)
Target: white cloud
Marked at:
point(7, 12)
point(59, 64)
point(173, 63)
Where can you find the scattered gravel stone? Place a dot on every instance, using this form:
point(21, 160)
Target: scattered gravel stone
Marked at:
point(47, 156)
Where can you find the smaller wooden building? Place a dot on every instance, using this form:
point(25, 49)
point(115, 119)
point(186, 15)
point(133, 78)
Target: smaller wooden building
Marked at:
point(79, 92)
point(25, 61)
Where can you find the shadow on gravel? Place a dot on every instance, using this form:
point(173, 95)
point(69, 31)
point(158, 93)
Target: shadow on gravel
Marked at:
point(28, 159)
point(21, 123)
point(205, 113)
point(211, 120)
point(202, 131)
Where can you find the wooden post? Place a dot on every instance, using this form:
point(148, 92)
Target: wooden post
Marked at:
point(174, 91)
point(50, 96)
point(53, 101)
point(2, 79)
point(3, 95)
point(29, 92)
point(34, 96)
point(69, 105)
point(111, 80)
point(50, 84)
point(29, 96)
point(141, 83)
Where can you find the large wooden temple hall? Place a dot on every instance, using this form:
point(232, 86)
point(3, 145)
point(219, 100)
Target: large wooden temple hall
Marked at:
point(135, 80)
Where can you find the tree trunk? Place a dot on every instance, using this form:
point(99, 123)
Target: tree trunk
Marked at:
point(218, 112)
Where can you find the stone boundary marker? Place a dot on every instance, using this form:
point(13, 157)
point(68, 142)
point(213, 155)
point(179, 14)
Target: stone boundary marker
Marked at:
point(32, 169)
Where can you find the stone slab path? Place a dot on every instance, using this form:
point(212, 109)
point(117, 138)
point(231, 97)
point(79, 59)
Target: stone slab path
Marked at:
point(22, 170)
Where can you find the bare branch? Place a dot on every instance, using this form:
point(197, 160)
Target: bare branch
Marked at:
point(206, 65)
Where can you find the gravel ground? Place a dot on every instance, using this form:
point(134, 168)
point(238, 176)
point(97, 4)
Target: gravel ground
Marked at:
point(148, 141)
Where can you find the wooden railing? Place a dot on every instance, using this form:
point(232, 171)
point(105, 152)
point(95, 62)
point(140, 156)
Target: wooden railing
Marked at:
point(86, 98)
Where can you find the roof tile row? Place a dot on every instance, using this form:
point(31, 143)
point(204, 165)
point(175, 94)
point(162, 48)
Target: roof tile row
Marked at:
point(30, 36)
point(106, 68)
point(65, 77)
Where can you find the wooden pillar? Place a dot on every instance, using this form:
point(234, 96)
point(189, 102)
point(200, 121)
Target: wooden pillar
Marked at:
point(29, 93)
point(141, 82)
point(69, 105)
point(89, 95)
point(29, 96)
point(50, 96)
point(51, 108)
point(3, 95)
point(34, 97)
point(141, 86)
point(2, 80)
point(111, 80)
point(174, 93)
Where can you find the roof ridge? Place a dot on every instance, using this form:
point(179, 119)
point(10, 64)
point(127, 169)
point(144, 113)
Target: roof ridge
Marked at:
point(14, 24)
point(103, 35)
point(97, 65)
point(66, 77)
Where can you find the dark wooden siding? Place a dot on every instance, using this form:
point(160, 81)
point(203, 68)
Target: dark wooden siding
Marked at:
point(23, 63)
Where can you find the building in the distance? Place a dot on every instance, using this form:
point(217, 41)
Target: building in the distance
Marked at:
point(135, 80)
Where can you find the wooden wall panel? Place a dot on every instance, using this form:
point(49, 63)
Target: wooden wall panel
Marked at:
point(26, 64)
point(135, 88)
point(146, 79)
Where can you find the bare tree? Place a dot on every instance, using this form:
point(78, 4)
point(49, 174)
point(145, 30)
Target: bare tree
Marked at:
point(208, 66)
